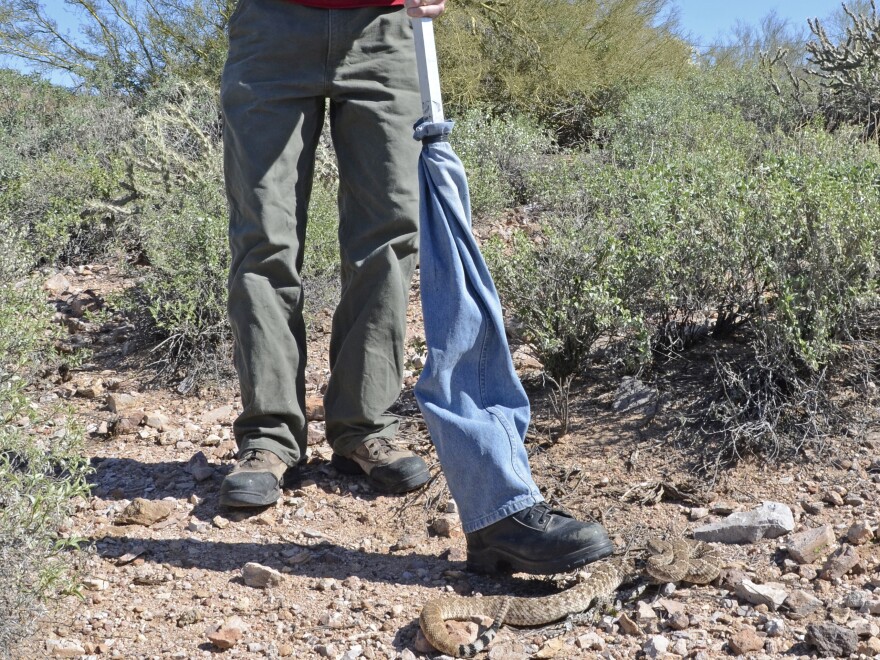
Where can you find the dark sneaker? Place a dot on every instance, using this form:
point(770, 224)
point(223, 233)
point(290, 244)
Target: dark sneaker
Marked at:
point(537, 540)
point(254, 481)
point(387, 467)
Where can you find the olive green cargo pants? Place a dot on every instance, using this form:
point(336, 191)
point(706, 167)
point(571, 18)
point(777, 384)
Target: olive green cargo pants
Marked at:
point(285, 61)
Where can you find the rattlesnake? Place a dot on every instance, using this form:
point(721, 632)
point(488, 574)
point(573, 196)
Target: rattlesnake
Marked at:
point(667, 561)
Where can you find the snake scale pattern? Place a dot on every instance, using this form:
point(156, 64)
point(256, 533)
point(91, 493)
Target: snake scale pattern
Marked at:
point(667, 561)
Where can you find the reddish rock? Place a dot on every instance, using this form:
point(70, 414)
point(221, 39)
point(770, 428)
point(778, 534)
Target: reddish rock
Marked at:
point(746, 641)
point(228, 634)
point(315, 408)
point(840, 563)
point(145, 512)
point(810, 545)
point(860, 533)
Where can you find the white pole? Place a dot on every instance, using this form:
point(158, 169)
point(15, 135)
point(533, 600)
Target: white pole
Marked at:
point(429, 74)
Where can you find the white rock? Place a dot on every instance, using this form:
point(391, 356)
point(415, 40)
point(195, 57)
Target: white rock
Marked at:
point(770, 520)
point(256, 575)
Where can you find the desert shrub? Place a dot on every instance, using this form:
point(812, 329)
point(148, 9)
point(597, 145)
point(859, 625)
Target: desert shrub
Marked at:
point(560, 62)
point(39, 473)
point(56, 153)
point(177, 219)
point(562, 290)
point(840, 80)
point(699, 220)
point(500, 154)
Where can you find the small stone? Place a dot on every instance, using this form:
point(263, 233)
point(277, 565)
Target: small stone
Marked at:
point(810, 545)
point(840, 563)
point(698, 513)
point(91, 391)
point(771, 594)
point(217, 415)
point(656, 646)
point(628, 626)
point(551, 648)
point(672, 607)
point(832, 497)
point(634, 395)
point(317, 431)
point(830, 639)
point(158, 421)
point(189, 617)
point(64, 648)
point(228, 634)
point(508, 650)
point(326, 650)
point(590, 641)
point(198, 526)
point(406, 542)
point(679, 621)
point(801, 604)
point(746, 641)
point(644, 612)
point(326, 584)
point(259, 576)
point(856, 600)
point(770, 520)
point(95, 584)
point(145, 512)
point(315, 408)
point(199, 467)
point(126, 422)
point(774, 627)
point(446, 526)
point(813, 508)
point(220, 522)
point(57, 284)
point(870, 648)
point(863, 627)
point(860, 533)
point(680, 648)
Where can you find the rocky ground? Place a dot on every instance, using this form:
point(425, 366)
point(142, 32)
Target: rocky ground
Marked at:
point(336, 570)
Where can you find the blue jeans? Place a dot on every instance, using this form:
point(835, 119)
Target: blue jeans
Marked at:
point(473, 402)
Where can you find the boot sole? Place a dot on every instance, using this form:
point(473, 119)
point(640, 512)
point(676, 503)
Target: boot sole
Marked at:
point(351, 467)
point(493, 560)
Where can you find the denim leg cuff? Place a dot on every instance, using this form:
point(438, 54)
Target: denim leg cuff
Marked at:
point(517, 504)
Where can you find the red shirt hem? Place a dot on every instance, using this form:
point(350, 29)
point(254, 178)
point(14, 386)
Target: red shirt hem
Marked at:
point(348, 4)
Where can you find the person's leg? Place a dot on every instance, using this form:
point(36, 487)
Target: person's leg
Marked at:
point(473, 402)
point(273, 111)
point(374, 101)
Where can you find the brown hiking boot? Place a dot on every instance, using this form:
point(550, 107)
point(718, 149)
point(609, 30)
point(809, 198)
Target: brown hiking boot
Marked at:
point(387, 467)
point(254, 481)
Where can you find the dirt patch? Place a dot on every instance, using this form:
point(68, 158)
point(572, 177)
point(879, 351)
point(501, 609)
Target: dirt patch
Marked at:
point(354, 567)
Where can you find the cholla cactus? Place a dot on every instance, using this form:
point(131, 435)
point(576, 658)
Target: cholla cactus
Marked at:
point(851, 70)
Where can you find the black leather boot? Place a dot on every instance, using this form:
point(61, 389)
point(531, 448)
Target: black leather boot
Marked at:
point(537, 540)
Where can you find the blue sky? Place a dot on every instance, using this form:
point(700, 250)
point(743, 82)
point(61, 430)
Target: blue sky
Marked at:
point(706, 20)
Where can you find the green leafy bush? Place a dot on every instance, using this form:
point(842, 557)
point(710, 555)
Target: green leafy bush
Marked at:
point(500, 154)
point(701, 219)
point(56, 153)
point(561, 62)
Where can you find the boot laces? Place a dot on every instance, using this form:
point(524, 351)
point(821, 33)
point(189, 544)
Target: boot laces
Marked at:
point(541, 511)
